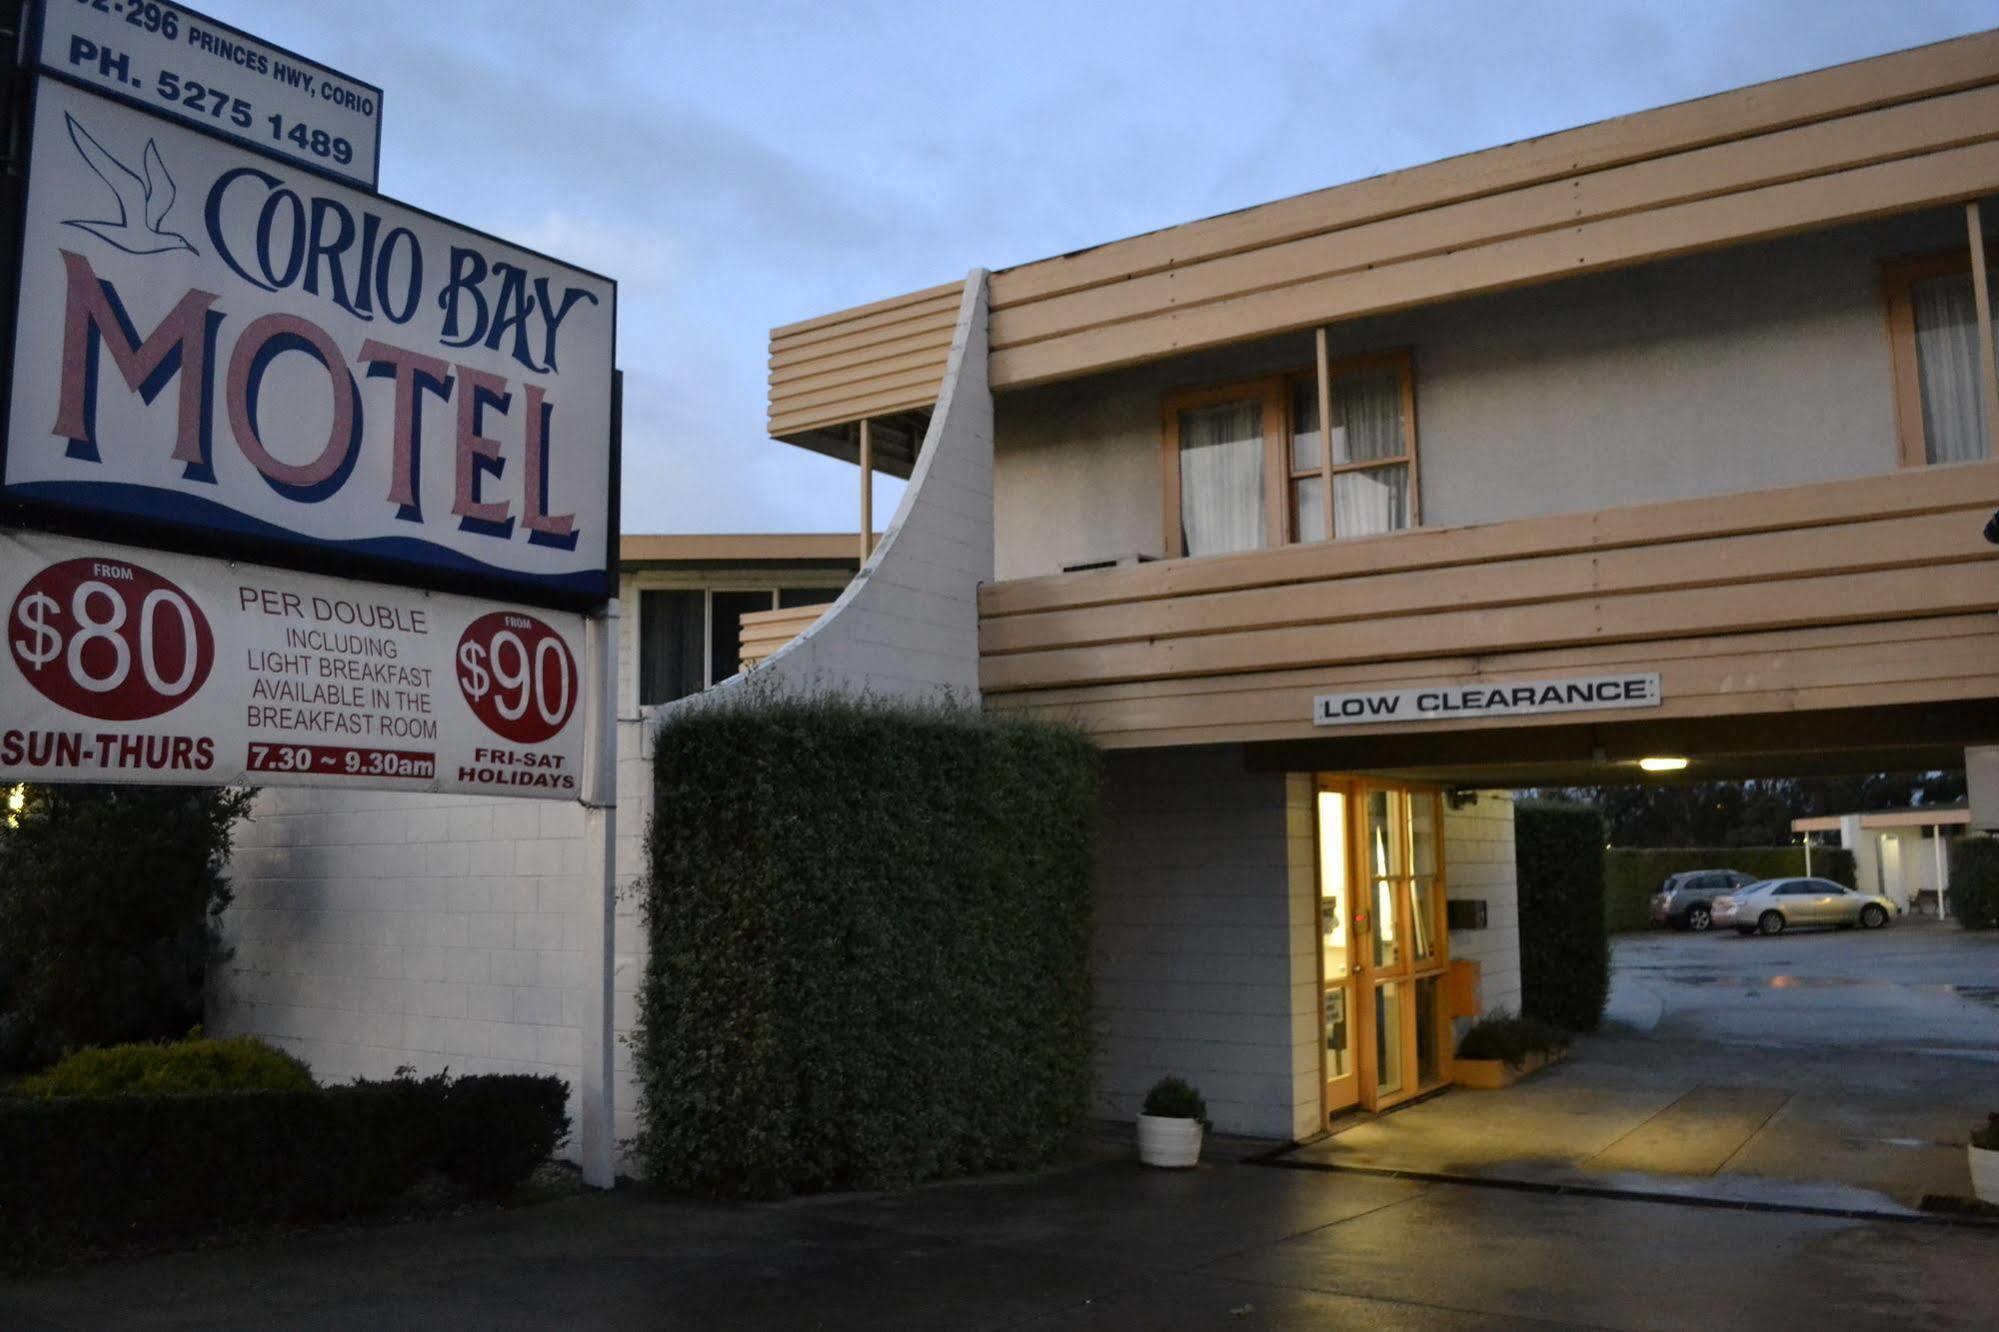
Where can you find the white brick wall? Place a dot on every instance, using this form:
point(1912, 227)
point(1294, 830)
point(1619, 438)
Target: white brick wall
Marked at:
point(1478, 862)
point(375, 929)
point(1196, 935)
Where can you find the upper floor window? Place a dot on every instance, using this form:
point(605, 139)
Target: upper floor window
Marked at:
point(1933, 330)
point(1249, 465)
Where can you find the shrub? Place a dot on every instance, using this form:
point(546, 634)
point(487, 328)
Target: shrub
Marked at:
point(1974, 882)
point(121, 1169)
point(870, 945)
point(1175, 1098)
point(492, 1131)
point(240, 1063)
point(1632, 875)
point(115, 1170)
point(1511, 1038)
point(108, 902)
point(1987, 1138)
point(1564, 947)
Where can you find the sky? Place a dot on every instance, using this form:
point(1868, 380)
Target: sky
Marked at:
point(741, 165)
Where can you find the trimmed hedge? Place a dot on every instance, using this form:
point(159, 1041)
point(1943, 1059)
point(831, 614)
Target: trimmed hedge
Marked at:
point(1503, 1035)
point(1974, 882)
point(1632, 875)
point(1564, 946)
point(870, 945)
point(239, 1063)
point(108, 1171)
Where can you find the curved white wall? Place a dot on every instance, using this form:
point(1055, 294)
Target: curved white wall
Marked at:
point(908, 625)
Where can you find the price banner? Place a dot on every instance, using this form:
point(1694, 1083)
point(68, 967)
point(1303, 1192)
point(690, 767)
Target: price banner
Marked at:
point(127, 665)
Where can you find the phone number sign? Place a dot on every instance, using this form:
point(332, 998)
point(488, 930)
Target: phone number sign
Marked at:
point(176, 62)
point(128, 665)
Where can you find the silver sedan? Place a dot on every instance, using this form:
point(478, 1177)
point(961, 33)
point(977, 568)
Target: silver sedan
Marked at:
point(1771, 906)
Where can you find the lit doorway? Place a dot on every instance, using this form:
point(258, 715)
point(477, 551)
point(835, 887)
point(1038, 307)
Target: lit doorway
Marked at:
point(1384, 951)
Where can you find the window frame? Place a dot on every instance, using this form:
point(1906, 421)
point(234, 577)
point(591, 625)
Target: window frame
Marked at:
point(1897, 277)
point(1274, 392)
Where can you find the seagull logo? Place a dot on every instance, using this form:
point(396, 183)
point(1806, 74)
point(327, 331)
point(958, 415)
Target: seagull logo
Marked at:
point(148, 198)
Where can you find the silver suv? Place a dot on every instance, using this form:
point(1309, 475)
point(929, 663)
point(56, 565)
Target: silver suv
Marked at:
point(1684, 900)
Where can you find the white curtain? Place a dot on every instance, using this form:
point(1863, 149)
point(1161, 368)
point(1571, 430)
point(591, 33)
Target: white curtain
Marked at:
point(1370, 502)
point(1947, 363)
point(1221, 478)
point(1367, 417)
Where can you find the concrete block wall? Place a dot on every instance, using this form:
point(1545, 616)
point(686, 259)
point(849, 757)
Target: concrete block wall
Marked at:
point(1197, 936)
point(376, 929)
point(1478, 862)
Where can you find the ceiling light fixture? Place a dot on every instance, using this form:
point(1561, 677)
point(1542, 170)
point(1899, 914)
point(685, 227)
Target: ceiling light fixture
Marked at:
point(1663, 763)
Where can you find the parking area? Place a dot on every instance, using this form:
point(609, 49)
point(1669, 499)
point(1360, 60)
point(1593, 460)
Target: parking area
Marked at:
point(1818, 1068)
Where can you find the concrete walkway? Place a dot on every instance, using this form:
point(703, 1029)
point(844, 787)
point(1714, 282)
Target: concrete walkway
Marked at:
point(1110, 1246)
point(1836, 1070)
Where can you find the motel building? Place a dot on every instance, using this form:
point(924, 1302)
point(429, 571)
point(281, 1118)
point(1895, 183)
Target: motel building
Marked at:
point(1338, 519)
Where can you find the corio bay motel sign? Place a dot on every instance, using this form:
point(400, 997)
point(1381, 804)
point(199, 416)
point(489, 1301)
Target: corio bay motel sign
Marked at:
point(300, 485)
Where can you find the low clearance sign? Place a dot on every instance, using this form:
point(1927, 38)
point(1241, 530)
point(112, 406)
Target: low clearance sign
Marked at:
point(214, 340)
point(1508, 699)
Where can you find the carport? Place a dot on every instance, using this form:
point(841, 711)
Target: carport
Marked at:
point(1888, 853)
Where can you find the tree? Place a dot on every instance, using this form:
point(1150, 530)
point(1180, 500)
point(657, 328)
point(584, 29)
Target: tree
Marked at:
point(109, 899)
point(1752, 813)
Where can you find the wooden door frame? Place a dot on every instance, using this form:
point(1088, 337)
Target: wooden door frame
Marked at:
point(1361, 972)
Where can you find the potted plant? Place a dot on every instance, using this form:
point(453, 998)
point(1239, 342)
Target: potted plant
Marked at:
point(1501, 1048)
point(1983, 1149)
point(1170, 1124)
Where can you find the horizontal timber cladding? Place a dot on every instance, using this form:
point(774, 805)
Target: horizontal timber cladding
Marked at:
point(1833, 595)
point(1898, 133)
point(868, 361)
point(764, 632)
point(1893, 134)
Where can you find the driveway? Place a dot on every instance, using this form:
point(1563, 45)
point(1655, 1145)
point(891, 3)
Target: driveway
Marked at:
point(1837, 1069)
point(1111, 1246)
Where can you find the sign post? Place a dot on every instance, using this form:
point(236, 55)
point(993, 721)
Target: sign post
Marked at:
point(299, 485)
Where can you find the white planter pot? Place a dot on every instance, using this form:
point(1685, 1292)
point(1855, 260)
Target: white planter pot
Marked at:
point(1172, 1143)
point(1984, 1173)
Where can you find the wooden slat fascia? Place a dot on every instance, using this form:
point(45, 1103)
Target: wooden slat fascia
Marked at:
point(953, 290)
point(820, 418)
point(1682, 680)
point(1763, 108)
point(883, 373)
point(903, 321)
point(1746, 705)
point(1834, 598)
point(1808, 150)
point(840, 395)
point(1768, 557)
point(1904, 185)
point(798, 364)
point(870, 342)
point(1897, 494)
point(1471, 668)
point(788, 399)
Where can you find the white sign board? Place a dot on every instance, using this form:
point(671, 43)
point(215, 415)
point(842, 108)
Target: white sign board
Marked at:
point(127, 665)
point(178, 63)
point(210, 341)
point(1456, 702)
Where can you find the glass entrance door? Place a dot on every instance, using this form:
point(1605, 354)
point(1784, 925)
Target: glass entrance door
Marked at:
point(1381, 872)
point(1337, 1006)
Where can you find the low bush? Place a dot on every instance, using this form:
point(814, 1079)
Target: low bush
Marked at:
point(492, 1131)
point(1175, 1098)
point(1512, 1038)
point(108, 1171)
point(1632, 875)
point(1564, 946)
point(1987, 1139)
point(1974, 882)
point(239, 1063)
